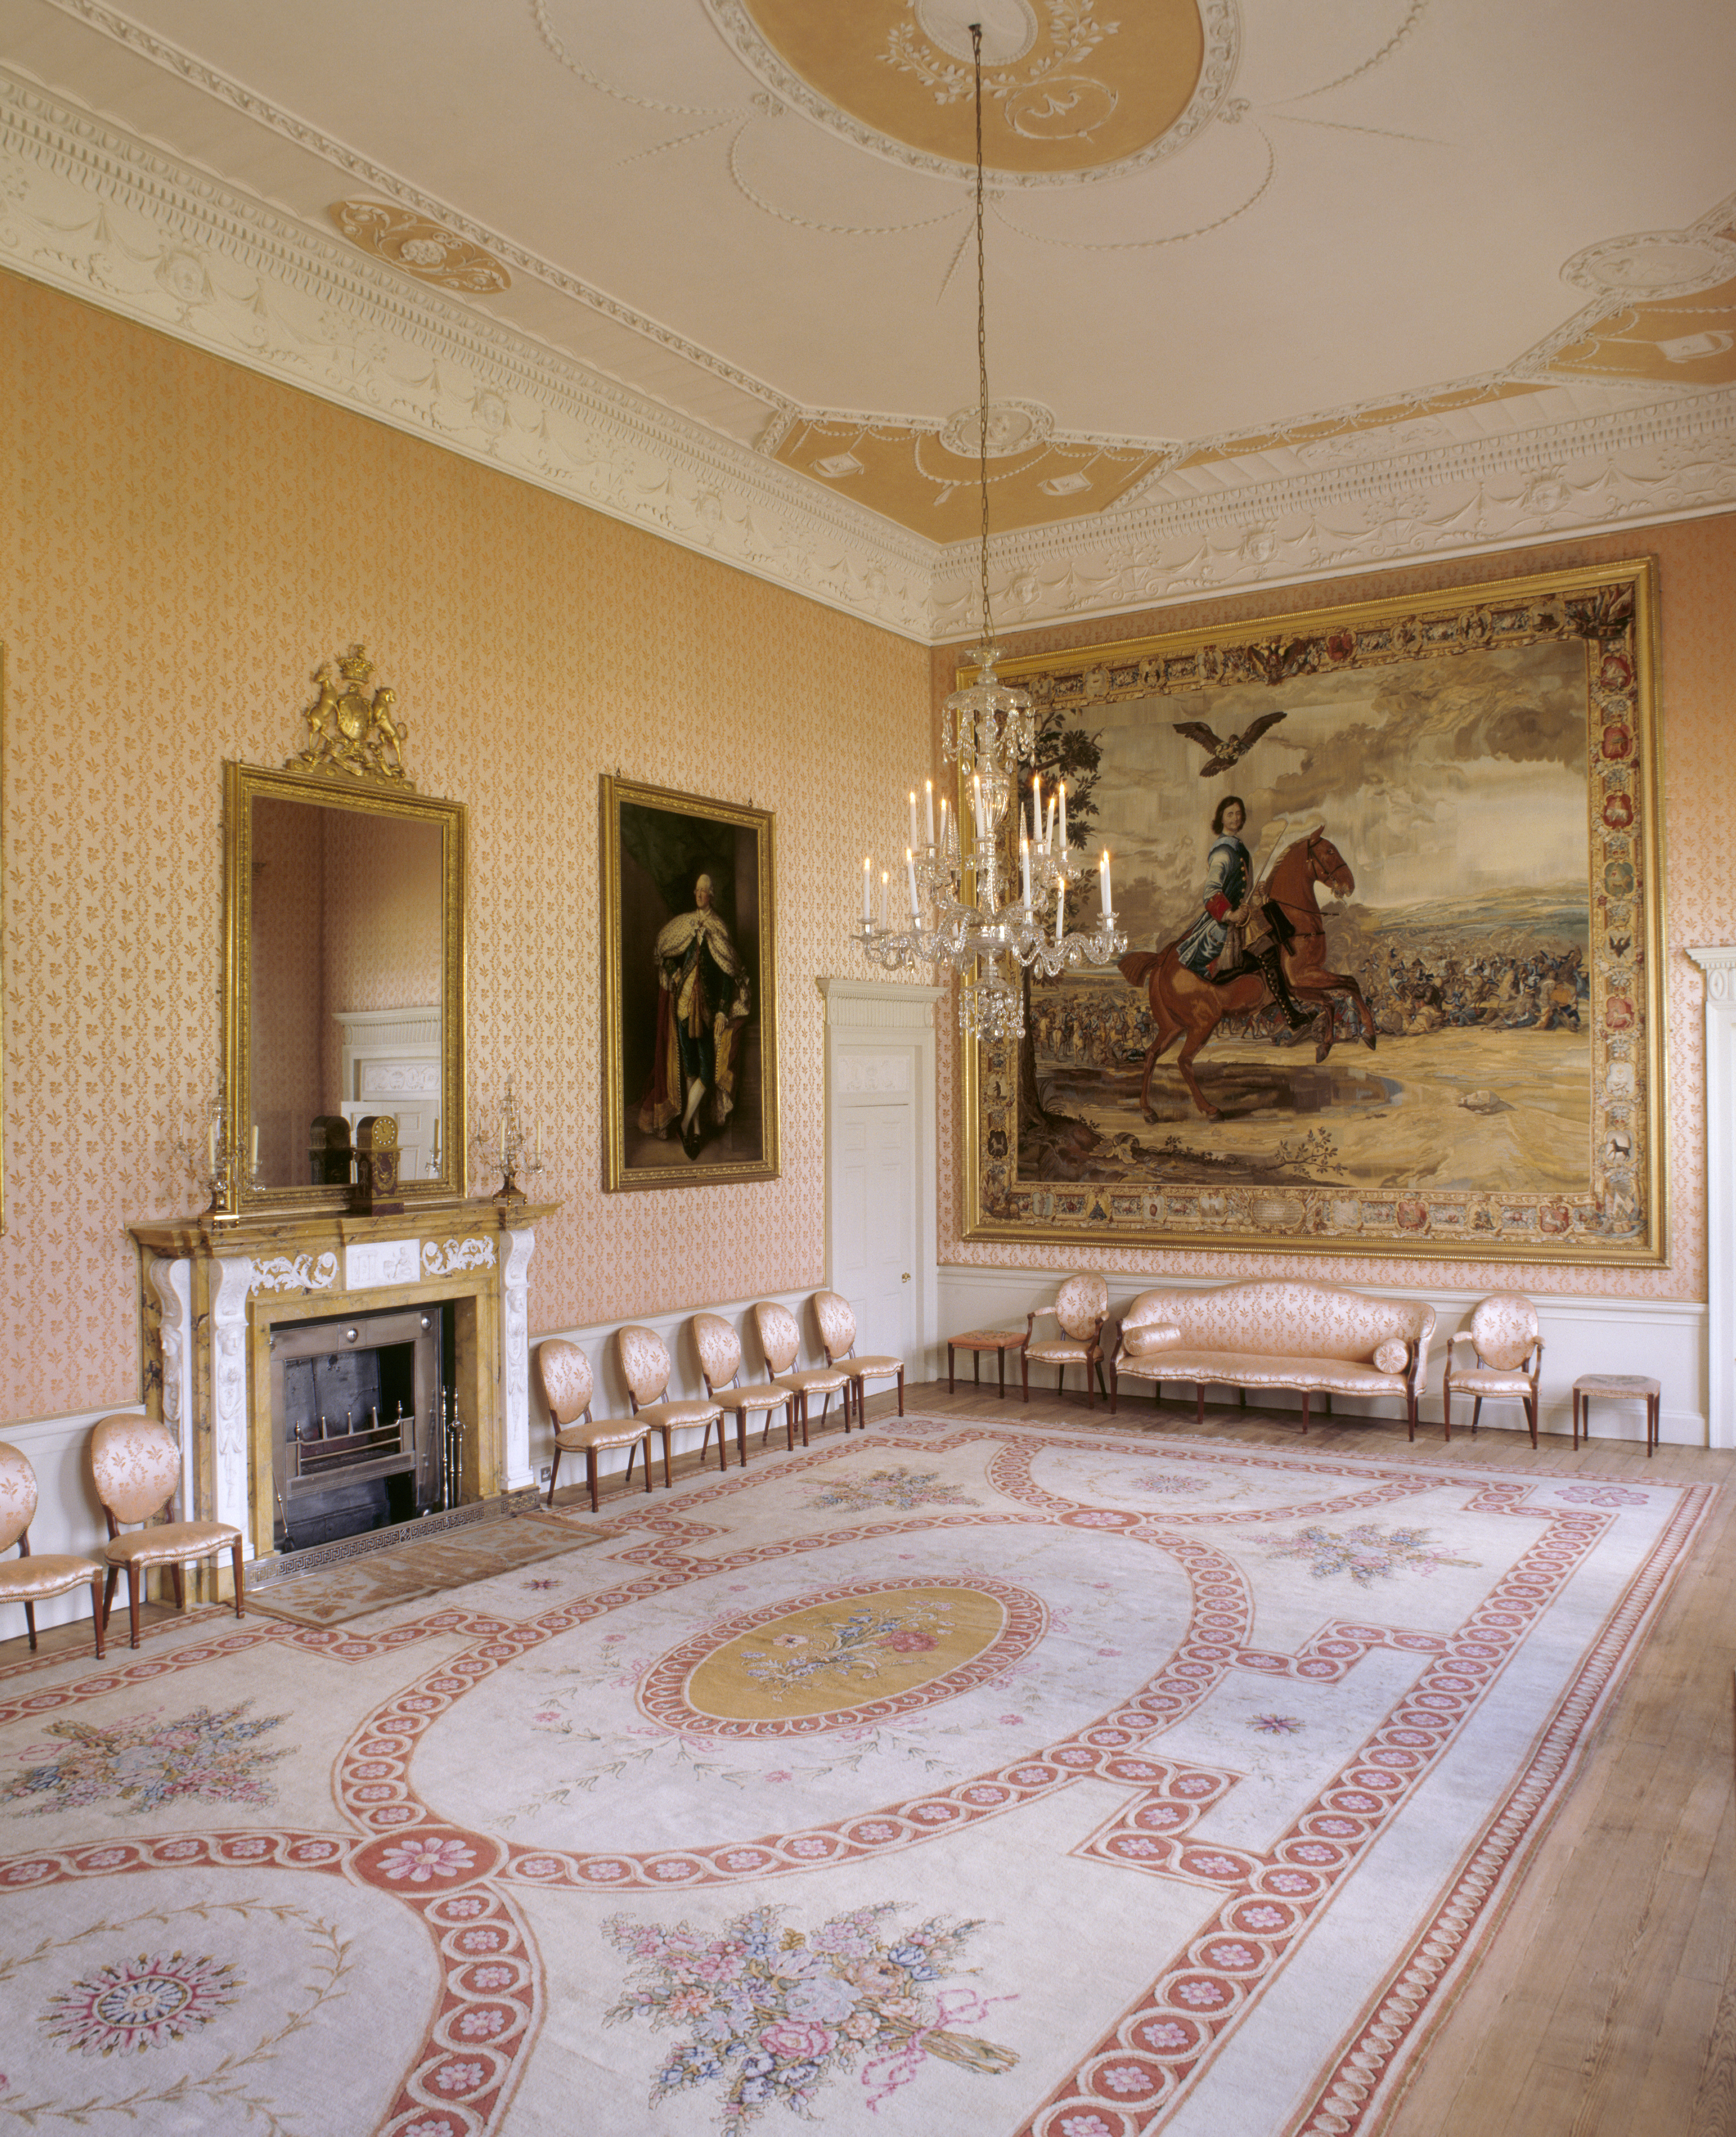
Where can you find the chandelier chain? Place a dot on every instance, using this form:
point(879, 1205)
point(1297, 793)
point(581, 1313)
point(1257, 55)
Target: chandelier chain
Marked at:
point(982, 344)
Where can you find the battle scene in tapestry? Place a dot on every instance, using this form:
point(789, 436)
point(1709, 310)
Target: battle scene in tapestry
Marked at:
point(1386, 889)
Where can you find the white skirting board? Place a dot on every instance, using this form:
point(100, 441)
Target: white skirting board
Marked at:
point(1665, 1338)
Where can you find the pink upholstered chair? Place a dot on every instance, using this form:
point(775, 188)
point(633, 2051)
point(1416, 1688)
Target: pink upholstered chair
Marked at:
point(30, 1580)
point(1507, 1351)
point(838, 1340)
point(1081, 1307)
point(644, 1359)
point(565, 1373)
point(720, 1361)
point(781, 1341)
point(136, 1464)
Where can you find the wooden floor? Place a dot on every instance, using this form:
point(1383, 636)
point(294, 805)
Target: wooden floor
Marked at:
point(1604, 2004)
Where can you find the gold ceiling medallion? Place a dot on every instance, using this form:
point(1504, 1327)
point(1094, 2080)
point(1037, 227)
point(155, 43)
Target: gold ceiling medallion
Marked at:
point(427, 249)
point(352, 735)
point(1072, 87)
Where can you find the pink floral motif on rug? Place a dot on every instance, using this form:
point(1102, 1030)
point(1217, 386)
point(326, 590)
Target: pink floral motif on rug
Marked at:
point(784, 1803)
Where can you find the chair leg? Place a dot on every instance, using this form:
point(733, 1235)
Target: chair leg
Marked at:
point(30, 1620)
point(554, 1471)
point(1476, 1411)
point(132, 1597)
point(591, 1476)
point(742, 1436)
point(108, 1593)
point(1199, 1402)
point(1115, 1387)
point(644, 1448)
point(240, 1592)
point(1446, 1410)
point(668, 1481)
point(1304, 1409)
point(1024, 1374)
point(1531, 1418)
point(177, 1581)
point(97, 1613)
point(901, 1391)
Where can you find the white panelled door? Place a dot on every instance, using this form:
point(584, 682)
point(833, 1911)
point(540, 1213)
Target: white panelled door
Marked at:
point(874, 1235)
point(880, 1164)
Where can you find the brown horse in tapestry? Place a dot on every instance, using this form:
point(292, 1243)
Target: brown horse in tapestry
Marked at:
point(1183, 1003)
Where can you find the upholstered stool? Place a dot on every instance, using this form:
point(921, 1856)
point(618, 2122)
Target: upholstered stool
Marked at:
point(1618, 1387)
point(977, 1341)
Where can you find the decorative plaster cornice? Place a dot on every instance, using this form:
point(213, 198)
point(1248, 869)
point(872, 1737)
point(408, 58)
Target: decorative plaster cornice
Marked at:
point(1674, 459)
point(87, 209)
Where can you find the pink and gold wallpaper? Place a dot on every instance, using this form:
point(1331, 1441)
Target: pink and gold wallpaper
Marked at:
point(186, 543)
point(1697, 572)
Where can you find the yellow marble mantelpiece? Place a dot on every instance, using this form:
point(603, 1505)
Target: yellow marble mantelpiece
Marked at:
point(211, 1291)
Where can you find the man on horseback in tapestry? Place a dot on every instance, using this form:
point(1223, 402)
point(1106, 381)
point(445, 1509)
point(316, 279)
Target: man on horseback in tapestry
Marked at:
point(1215, 945)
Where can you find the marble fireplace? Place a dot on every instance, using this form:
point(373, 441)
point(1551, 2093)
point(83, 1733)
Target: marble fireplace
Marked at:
point(213, 1291)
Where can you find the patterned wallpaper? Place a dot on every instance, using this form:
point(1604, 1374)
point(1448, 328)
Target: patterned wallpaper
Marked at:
point(1697, 571)
point(186, 542)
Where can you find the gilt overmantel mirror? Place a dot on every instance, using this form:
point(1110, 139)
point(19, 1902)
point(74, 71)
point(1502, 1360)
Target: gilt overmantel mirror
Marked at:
point(343, 980)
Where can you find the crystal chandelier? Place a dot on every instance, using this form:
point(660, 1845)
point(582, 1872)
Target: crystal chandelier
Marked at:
point(963, 915)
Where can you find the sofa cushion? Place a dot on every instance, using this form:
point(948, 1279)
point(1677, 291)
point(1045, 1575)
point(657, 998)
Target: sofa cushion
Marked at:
point(1154, 1336)
point(1391, 1355)
point(1264, 1369)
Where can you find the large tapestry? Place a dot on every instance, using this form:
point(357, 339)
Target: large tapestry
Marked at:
point(1390, 880)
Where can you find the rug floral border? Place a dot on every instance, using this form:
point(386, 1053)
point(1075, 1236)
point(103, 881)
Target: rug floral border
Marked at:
point(1619, 1220)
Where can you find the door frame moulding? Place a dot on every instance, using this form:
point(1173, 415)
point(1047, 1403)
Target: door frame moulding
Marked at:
point(1718, 961)
point(871, 1024)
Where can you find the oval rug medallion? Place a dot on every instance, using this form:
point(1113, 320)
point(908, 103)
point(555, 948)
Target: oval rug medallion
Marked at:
point(863, 1652)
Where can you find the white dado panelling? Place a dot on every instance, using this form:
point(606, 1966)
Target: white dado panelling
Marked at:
point(92, 209)
point(1580, 1336)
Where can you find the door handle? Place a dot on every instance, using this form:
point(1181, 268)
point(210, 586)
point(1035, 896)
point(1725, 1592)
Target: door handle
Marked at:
point(905, 1278)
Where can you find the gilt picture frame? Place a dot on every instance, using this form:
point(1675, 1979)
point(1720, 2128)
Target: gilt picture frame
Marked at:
point(1457, 804)
point(690, 1084)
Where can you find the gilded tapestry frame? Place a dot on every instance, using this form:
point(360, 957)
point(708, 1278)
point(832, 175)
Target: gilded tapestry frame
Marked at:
point(655, 845)
point(1619, 1218)
point(241, 784)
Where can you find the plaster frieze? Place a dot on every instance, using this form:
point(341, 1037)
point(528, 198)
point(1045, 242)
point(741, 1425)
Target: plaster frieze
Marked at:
point(87, 209)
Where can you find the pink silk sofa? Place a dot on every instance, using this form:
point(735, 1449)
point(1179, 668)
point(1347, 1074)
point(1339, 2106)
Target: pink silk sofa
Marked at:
point(1274, 1332)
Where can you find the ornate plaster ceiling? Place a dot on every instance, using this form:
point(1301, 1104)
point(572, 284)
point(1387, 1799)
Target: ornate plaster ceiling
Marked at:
point(1273, 291)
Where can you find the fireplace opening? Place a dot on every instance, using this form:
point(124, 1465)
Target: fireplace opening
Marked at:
point(357, 1407)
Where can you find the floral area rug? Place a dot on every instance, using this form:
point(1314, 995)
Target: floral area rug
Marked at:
point(357, 1587)
point(966, 1780)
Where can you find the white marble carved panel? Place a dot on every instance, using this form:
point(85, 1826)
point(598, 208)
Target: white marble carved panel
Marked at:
point(172, 1282)
point(515, 1357)
point(231, 1280)
point(296, 1272)
point(444, 1258)
point(370, 1263)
